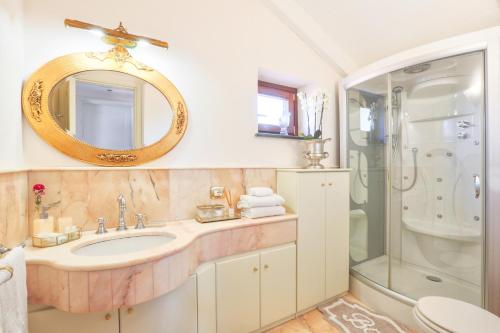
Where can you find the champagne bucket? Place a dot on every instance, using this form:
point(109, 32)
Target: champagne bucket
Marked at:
point(315, 153)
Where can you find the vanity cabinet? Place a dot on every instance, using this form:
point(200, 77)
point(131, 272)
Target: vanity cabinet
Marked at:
point(277, 284)
point(51, 320)
point(238, 294)
point(321, 201)
point(173, 312)
point(247, 292)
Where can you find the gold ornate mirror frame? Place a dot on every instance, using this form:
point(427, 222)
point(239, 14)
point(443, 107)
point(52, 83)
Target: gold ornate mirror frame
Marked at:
point(35, 103)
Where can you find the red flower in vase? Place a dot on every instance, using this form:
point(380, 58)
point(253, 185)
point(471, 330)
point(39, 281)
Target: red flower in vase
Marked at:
point(40, 188)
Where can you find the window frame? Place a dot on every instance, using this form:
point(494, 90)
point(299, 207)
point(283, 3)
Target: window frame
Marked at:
point(285, 92)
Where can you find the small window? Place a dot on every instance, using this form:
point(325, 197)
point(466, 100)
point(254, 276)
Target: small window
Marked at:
point(277, 109)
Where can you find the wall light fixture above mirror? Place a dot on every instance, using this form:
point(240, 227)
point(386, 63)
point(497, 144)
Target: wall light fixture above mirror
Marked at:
point(105, 108)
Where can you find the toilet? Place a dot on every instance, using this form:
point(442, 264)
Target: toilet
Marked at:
point(435, 314)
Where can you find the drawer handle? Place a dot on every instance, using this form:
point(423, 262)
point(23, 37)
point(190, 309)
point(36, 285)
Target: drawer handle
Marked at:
point(255, 269)
point(107, 316)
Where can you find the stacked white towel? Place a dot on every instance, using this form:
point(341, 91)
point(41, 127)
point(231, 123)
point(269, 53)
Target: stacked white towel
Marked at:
point(261, 202)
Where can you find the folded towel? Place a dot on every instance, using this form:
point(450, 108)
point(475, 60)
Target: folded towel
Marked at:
point(260, 191)
point(13, 293)
point(256, 212)
point(248, 201)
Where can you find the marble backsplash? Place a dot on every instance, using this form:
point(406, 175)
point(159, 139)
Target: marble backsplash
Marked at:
point(160, 194)
point(13, 200)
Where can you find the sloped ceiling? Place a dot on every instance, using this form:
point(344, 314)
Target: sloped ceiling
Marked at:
point(368, 30)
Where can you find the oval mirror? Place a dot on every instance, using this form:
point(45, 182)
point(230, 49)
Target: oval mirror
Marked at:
point(110, 110)
point(105, 108)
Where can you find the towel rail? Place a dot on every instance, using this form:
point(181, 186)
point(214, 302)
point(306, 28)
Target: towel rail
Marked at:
point(4, 249)
point(3, 253)
point(8, 269)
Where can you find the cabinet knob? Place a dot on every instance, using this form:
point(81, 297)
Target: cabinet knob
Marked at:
point(322, 184)
point(130, 310)
point(107, 316)
point(255, 269)
point(266, 266)
point(330, 184)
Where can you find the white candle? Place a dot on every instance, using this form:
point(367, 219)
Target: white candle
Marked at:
point(43, 225)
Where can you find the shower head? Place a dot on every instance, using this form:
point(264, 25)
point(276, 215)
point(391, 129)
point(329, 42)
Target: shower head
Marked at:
point(415, 69)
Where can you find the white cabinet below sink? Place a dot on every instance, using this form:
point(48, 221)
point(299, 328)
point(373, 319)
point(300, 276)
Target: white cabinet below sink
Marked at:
point(173, 312)
point(255, 290)
point(54, 321)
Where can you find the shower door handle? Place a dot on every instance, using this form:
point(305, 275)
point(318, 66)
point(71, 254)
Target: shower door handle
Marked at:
point(477, 186)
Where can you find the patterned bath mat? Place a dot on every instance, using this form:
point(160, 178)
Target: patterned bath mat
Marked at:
point(354, 318)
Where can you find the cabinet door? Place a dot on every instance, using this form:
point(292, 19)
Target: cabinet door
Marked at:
point(55, 321)
point(174, 312)
point(311, 239)
point(238, 294)
point(207, 314)
point(277, 284)
point(337, 233)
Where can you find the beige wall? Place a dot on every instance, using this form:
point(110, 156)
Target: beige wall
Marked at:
point(216, 50)
point(11, 62)
point(163, 195)
point(13, 196)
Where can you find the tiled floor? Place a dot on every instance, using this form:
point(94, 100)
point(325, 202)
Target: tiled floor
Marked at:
point(311, 322)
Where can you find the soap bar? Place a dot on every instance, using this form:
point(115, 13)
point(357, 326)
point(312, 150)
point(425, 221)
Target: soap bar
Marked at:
point(43, 225)
point(64, 224)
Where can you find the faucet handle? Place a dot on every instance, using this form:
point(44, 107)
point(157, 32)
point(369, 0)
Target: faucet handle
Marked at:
point(139, 221)
point(121, 199)
point(101, 229)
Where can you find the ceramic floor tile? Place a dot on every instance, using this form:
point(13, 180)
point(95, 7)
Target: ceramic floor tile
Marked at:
point(311, 322)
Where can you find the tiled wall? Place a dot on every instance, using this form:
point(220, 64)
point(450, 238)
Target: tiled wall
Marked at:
point(13, 196)
point(163, 195)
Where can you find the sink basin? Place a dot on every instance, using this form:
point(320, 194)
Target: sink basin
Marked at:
point(123, 245)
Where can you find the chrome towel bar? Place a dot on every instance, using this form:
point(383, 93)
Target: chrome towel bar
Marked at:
point(8, 269)
point(3, 253)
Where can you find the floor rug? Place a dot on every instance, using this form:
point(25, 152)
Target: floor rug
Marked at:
point(354, 318)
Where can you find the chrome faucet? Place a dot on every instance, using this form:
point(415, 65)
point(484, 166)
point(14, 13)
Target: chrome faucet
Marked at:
point(122, 207)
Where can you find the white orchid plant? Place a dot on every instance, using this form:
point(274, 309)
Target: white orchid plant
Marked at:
point(314, 105)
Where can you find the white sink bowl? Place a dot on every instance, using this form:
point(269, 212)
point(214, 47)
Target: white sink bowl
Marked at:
point(123, 245)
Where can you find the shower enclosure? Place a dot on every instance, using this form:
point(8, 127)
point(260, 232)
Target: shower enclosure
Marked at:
point(415, 144)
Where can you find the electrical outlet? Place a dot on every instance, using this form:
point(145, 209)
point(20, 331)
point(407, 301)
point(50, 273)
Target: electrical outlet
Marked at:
point(217, 192)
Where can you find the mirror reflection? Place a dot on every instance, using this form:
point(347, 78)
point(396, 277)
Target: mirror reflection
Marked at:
point(110, 110)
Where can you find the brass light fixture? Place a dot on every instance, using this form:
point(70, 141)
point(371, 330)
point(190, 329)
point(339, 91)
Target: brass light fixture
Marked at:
point(118, 36)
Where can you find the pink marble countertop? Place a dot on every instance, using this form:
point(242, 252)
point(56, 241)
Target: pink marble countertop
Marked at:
point(185, 232)
point(77, 283)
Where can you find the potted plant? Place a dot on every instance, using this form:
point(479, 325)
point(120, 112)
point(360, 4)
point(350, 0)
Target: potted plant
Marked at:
point(314, 106)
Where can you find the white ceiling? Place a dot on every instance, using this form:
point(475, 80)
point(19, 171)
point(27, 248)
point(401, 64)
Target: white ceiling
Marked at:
point(368, 30)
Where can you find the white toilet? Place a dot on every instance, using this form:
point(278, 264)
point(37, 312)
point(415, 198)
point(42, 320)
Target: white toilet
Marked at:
point(446, 315)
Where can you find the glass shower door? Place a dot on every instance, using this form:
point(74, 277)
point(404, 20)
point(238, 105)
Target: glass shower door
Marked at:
point(367, 150)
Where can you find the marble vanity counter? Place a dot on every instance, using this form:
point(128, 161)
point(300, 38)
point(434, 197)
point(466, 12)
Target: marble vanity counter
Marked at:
point(76, 283)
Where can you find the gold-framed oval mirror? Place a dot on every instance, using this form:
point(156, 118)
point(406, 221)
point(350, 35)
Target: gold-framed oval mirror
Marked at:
point(105, 108)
